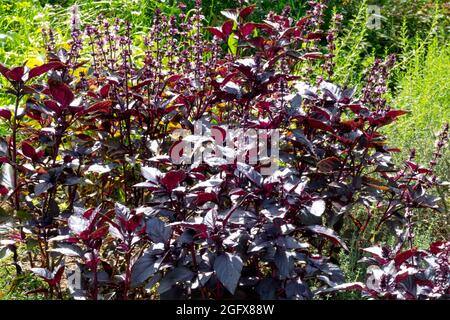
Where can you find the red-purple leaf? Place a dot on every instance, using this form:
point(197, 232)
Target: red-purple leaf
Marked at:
point(37, 71)
point(104, 91)
point(28, 150)
point(176, 151)
point(402, 257)
point(356, 108)
point(58, 274)
point(413, 166)
point(227, 27)
point(99, 233)
point(3, 70)
point(173, 79)
point(102, 106)
point(172, 179)
point(388, 118)
point(395, 113)
point(5, 113)
point(247, 29)
point(61, 93)
point(313, 55)
point(246, 11)
point(404, 274)
point(354, 124)
point(43, 273)
point(142, 84)
point(350, 286)
point(377, 253)
point(203, 197)
point(15, 74)
point(258, 42)
point(215, 31)
point(3, 191)
point(88, 213)
point(424, 171)
point(230, 14)
point(301, 23)
point(215, 130)
point(317, 124)
point(53, 106)
point(424, 282)
point(315, 35)
point(437, 247)
point(264, 26)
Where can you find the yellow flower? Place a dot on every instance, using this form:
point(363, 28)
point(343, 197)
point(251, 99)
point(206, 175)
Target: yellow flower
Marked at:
point(34, 62)
point(221, 105)
point(66, 46)
point(77, 72)
point(173, 125)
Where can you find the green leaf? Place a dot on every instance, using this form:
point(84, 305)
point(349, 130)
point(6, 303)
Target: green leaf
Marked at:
point(120, 195)
point(24, 215)
point(232, 44)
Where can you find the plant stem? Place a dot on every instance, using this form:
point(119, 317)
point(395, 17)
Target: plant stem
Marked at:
point(14, 151)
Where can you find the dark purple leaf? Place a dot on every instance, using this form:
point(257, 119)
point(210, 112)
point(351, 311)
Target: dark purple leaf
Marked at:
point(144, 268)
point(172, 277)
point(3, 190)
point(228, 269)
point(151, 174)
point(158, 231)
point(317, 208)
point(329, 164)
point(5, 113)
point(328, 233)
point(250, 172)
point(283, 262)
point(359, 286)
point(201, 228)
